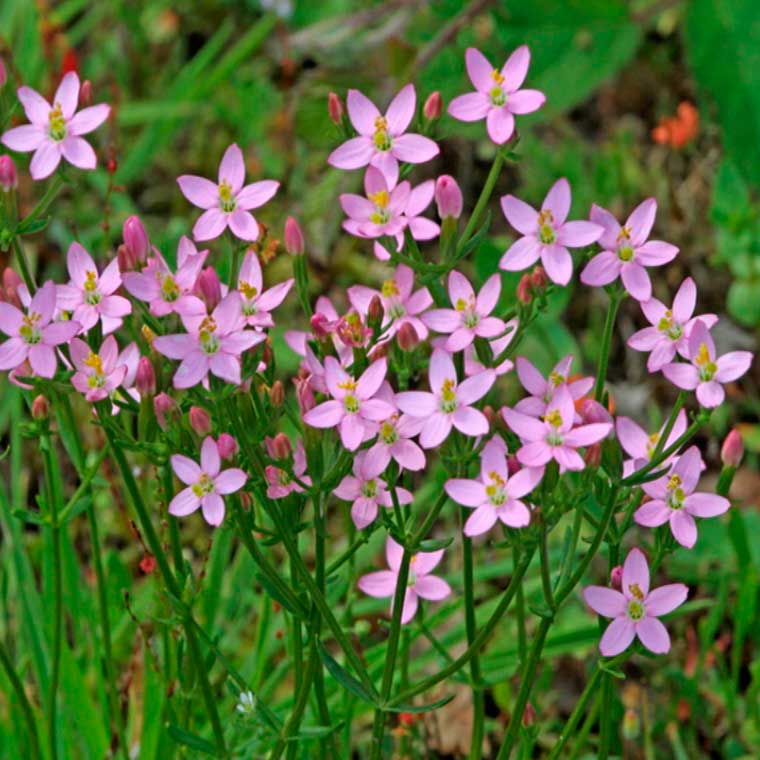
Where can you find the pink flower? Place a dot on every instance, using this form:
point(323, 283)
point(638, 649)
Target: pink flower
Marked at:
point(382, 141)
point(494, 496)
point(674, 500)
point(400, 304)
point(707, 373)
point(470, 318)
point(472, 364)
point(542, 389)
point(498, 95)
point(670, 327)
point(281, 483)
point(366, 490)
point(227, 203)
point(447, 403)
point(91, 296)
point(33, 336)
point(98, 374)
point(626, 251)
point(387, 210)
point(166, 292)
point(206, 485)
point(327, 318)
point(257, 303)
point(640, 446)
point(353, 408)
point(635, 610)
point(554, 436)
point(420, 584)
point(213, 343)
point(546, 234)
point(55, 131)
point(394, 438)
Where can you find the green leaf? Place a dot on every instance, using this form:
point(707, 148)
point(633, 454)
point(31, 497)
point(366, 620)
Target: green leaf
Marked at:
point(344, 678)
point(417, 709)
point(434, 544)
point(723, 45)
point(30, 226)
point(181, 736)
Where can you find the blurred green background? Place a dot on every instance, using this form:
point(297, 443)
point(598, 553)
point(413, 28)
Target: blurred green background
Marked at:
point(186, 79)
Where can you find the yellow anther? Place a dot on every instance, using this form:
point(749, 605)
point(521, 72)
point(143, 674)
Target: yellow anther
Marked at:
point(95, 362)
point(497, 76)
point(448, 392)
point(636, 591)
point(248, 290)
point(380, 198)
point(390, 288)
point(91, 281)
point(554, 418)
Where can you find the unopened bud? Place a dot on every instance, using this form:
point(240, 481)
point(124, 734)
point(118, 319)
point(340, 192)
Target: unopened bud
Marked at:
point(407, 337)
point(200, 421)
point(378, 352)
point(11, 284)
point(279, 447)
point(616, 577)
point(294, 242)
point(227, 446)
point(8, 175)
point(490, 415)
point(145, 378)
point(127, 260)
point(40, 407)
point(277, 393)
point(448, 197)
point(112, 165)
point(209, 288)
point(3, 73)
point(321, 326)
point(304, 394)
point(732, 451)
point(433, 106)
point(85, 93)
point(513, 465)
point(592, 412)
point(136, 239)
point(529, 715)
point(266, 353)
point(166, 409)
point(375, 311)
point(335, 108)
point(524, 290)
point(593, 455)
point(538, 278)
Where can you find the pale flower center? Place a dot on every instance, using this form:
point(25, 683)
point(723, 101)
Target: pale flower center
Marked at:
point(448, 396)
point(350, 402)
point(382, 139)
point(29, 330)
point(669, 326)
point(227, 201)
point(707, 367)
point(636, 609)
point(497, 493)
point(57, 123)
point(369, 489)
point(676, 494)
point(497, 94)
point(208, 340)
point(97, 379)
point(388, 433)
point(169, 288)
point(92, 296)
point(625, 250)
point(381, 214)
point(204, 486)
point(554, 437)
point(546, 232)
point(467, 308)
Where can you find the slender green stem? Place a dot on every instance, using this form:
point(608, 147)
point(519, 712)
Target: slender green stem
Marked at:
point(234, 263)
point(582, 736)
point(167, 484)
point(485, 195)
point(391, 650)
point(23, 265)
point(55, 187)
point(604, 355)
point(605, 717)
point(680, 401)
point(546, 581)
point(26, 707)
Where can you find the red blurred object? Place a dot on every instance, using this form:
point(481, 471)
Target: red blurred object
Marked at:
point(679, 130)
point(148, 564)
point(70, 62)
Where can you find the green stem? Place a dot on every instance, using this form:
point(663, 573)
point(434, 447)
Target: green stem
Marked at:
point(26, 707)
point(669, 424)
point(546, 581)
point(23, 265)
point(485, 195)
point(391, 650)
point(604, 356)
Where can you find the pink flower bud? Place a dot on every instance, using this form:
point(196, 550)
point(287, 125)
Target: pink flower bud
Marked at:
point(407, 337)
point(304, 394)
point(227, 446)
point(145, 378)
point(538, 278)
point(127, 260)
point(593, 412)
point(85, 93)
point(279, 447)
point(513, 465)
point(3, 73)
point(166, 410)
point(8, 175)
point(448, 197)
point(433, 106)
point(524, 290)
point(732, 451)
point(335, 108)
point(294, 242)
point(375, 310)
point(321, 326)
point(529, 715)
point(616, 577)
point(209, 288)
point(136, 238)
point(40, 408)
point(277, 393)
point(200, 421)
point(11, 284)
point(593, 455)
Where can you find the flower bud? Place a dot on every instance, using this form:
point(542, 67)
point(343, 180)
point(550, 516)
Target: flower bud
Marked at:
point(407, 337)
point(266, 353)
point(448, 197)
point(136, 239)
point(538, 278)
point(335, 108)
point(279, 447)
point(513, 465)
point(375, 311)
point(145, 378)
point(524, 290)
point(352, 330)
point(40, 408)
point(304, 394)
point(321, 326)
point(11, 284)
point(209, 288)
point(378, 352)
point(246, 500)
point(165, 408)
point(8, 175)
point(593, 455)
point(732, 451)
point(294, 242)
point(616, 577)
point(227, 446)
point(490, 414)
point(529, 715)
point(593, 412)
point(127, 260)
point(3, 73)
point(85, 93)
point(277, 393)
point(200, 421)
point(433, 106)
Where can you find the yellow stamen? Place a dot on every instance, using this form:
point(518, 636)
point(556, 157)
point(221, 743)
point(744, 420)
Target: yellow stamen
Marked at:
point(91, 281)
point(248, 290)
point(95, 362)
point(554, 418)
point(636, 591)
point(390, 289)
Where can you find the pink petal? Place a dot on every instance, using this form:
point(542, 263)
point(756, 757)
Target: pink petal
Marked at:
point(191, 371)
point(11, 318)
point(45, 160)
point(706, 505)
point(414, 149)
point(416, 403)
point(525, 101)
point(685, 300)
point(567, 458)
point(226, 367)
point(442, 320)
point(401, 110)
point(460, 288)
point(652, 514)
point(469, 493)
point(479, 69)
point(423, 229)
point(352, 154)
point(527, 428)
point(641, 221)
point(256, 194)
point(474, 388)
point(655, 253)
point(480, 521)
point(362, 112)
point(601, 270)
point(43, 361)
point(665, 599)
point(432, 588)
point(524, 481)
point(534, 454)
point(419, 199)
point(577, 234)
point(441, 369)
point(684, 528)
point(617, 637)
point(682, 375)
point(351, 429)
point(230, 480)
point(25, 138)
point(232, 168)
point(605, 601)
point(88, 119)
point(37, 109)
point(78, 152)
point(514, 514)
point(532, 380)
point(470, 421)
point(185, 469)
point(585, 435)
point(732, 366)
point(516, 68)
point(243, 225)
point(500, 124)
point(473, 106)
point(184, 503)
point(410, 606)
point(175, 346)
point(210, 460)
point(67, 94)
point(558, 201)
point(212, 506)
point(605, 219)
point(710, 394)
point(424, 562)
point(636, 281)
point(632, 437)
point(379, 584)
point(210, 224)
point(653, 635)
point(522, 254)
point(12, 353)
point(199, 191)
point(489, 294)
point(558, 263)
point(435, 430)
point(636, 571)
point(363, 512)
point(371, 379)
